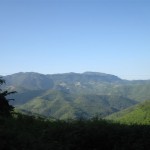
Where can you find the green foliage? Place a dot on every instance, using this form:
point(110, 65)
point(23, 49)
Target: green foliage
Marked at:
point(66, 105)
point(139, 114)
point(5, 108)
point(24, 132)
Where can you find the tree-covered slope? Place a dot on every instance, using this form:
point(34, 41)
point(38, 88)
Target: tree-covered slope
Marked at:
point(28, 81)
point(139, 114)
point(75, 94)
point(63, 105)
point(88, 82)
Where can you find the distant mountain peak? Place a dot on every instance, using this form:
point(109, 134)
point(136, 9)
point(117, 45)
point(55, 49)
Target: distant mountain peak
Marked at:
point(94, 73)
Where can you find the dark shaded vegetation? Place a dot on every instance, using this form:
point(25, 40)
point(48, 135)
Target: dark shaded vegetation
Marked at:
point(5, 108)
point(24, 132)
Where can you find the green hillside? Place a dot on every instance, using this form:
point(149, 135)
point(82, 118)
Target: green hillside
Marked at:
point(75, 94)
point(139, 114)
point(28, 81)
point(63, 105)
point(88, 82)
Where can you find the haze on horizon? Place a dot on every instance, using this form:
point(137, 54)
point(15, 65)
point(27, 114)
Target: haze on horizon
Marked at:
point(60, 36)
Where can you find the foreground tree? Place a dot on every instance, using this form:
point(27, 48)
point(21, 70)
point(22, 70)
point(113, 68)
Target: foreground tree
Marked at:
point(5, 108)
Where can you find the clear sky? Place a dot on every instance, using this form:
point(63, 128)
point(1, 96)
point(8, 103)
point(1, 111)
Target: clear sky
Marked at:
point(59, 36)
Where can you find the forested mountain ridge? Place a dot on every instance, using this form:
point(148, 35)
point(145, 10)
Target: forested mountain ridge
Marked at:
point(75, 94)
point(63, 105)
point(36, 81)
point(138, 114)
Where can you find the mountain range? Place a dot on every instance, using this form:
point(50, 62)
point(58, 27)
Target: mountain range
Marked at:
point(75, 95)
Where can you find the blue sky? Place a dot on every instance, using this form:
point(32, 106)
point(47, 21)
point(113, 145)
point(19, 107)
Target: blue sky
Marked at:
point(58, 36)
